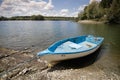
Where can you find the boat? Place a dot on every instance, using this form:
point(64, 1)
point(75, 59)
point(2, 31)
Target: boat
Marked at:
point(71, 48)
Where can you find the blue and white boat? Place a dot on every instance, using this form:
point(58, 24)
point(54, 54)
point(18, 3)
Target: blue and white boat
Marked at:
point(71, 48)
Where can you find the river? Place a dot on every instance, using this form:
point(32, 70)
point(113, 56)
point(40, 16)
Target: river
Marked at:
point(40, 34)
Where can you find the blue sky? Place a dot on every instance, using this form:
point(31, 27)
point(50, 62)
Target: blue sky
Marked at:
point(10, 8)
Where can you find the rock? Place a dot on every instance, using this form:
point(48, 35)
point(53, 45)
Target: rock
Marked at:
point(27, 70)
point(26, 48)
point(13, 51)
point(1, 69)
point(28, 55)
point(4, 77)
point(24, 71)
point(3, 56)
point(33, 45)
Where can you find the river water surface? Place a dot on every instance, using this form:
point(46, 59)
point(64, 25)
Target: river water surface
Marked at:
point(40, 34)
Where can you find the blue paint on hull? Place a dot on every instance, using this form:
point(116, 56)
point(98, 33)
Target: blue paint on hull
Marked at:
point(87, 40)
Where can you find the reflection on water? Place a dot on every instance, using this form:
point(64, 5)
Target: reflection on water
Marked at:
point(19, 34)
point(41, 34)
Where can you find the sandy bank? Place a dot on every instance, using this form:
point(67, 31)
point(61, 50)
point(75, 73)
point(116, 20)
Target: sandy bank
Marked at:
point(14, 65)
point(90, 22)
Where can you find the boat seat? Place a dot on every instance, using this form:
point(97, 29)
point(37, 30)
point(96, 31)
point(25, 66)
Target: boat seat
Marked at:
point(68, 47)
point(74, 46)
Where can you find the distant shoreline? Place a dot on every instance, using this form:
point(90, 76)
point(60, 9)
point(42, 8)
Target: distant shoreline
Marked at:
point(38, 18)
point(90, 22)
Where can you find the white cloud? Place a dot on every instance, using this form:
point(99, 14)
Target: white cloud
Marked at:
point(24, 7)
point(93, 1)
point(81, 8)
point(74, 13)
point(34, 7)
point(49, 6)
point(64, 12)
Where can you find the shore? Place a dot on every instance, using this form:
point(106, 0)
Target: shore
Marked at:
point(20, 65)
point(90, 22)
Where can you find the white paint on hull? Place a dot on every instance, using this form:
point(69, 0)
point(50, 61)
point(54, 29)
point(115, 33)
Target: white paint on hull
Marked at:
point(58, 57)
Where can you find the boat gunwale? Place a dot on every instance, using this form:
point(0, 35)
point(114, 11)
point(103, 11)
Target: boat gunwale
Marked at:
point(74, 52)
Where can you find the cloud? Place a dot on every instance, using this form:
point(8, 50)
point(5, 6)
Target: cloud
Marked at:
point(67, 12)
point(10, 8)
point(93, 1)
point(64, 12)
point(24, 7)
point(49, 6)
point(81, 8)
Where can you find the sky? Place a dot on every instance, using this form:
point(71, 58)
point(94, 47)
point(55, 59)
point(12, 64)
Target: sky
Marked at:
point(67, 8)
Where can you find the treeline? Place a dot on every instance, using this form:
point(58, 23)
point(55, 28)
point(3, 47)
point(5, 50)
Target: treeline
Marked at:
point(33, 17)
point(106, 10)
point(38, 17)
point(60, 18)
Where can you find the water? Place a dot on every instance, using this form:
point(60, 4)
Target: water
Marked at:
point(40, 34)
point(21, 34)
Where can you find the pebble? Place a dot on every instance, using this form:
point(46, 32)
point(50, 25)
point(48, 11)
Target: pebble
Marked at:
point(60, 73)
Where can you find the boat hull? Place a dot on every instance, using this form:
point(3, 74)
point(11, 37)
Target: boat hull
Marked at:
point(59, 57)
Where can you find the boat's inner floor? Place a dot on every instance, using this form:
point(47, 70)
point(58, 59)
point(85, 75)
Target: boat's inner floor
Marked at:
point(73, 47)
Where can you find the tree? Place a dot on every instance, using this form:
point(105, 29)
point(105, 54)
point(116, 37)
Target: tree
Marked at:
point(3, 18)
point(38, 17)
point(91, 11)
point(106, 3)
point(114, 13)
point(107, 10)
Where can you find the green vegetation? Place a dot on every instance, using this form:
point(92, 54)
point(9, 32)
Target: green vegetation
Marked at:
point(3, 18)
point(33, 17)
point(60, 18)
point(37, 17)
point(106, 10)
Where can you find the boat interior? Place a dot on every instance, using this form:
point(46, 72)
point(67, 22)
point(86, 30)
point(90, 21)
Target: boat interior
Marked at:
point(81, 43)
point(71, 46)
